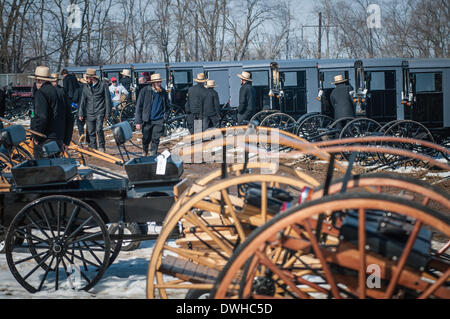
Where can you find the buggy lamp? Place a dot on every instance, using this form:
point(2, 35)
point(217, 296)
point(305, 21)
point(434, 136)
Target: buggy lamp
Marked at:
point(319, 96)
point(271, 93)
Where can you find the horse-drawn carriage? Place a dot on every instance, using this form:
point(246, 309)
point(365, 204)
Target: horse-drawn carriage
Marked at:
point(54, 218)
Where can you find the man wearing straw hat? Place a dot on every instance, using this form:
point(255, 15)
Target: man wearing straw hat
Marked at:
point(149, 117)
point(195, 103)
point(341, 99)
point(211, 112)
point(48, 116)
point(247, 98)
point(95, 106)
point(126, 79)
point(64, 99)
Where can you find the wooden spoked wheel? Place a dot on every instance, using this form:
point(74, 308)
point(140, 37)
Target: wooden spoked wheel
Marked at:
point(333, 248)
point(361, 127)
point(314, 128)
point(281, 121)
point(65, 245)
point(213, 222)
point(396, 185)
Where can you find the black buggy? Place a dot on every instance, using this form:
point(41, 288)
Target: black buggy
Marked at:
point(54, 217)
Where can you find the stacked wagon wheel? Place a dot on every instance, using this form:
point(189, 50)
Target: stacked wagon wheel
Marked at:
point(344, 257)
point(213, 221)
point(217, 216)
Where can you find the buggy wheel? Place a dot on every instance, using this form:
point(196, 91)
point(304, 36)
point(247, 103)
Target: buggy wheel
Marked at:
point(408, 129)
point(128, 229)
point(127, 114)
point(175, 120)
point(280, 121)
point(66, 245)
point(213, 221)
point(228, 119)
point(261, 115)
point(387, 125)
point(314, 128)
point(337, 126)
point(361, 127)
point(285, 259)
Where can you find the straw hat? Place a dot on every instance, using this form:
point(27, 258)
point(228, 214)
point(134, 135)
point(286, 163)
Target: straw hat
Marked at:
point(55, 76)
point(91, 73)
point(339, 79)
point(156, 77)
point(126, 72)
point(42, 73)
point(82, 80)
point(245, 76)
point(210, 84)
point(200, 78)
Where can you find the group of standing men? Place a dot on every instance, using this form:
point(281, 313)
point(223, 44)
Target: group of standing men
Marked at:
point(90, 99)
point(203, 107)
point(93, 101)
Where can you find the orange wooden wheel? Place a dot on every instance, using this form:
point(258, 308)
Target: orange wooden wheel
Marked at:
point(286, 258)
point(214, 221)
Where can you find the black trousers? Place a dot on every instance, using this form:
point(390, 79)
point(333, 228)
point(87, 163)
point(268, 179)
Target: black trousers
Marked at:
point(151, 133)
point(244, 117)
point(191, 118)
point(210, 121)
point(94, 126)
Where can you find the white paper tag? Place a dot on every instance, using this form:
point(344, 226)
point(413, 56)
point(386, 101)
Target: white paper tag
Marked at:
point(166, 154)
point(161, 166)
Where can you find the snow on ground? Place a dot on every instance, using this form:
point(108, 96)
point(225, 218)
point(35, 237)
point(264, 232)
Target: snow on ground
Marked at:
point(126, 278)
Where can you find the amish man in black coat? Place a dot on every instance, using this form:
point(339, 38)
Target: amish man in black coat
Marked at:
point(49, 116)
point(64, 99)
point(95, 106)
point(341, 99)
point(195, 103)
point(149, 117)
point(211, 112)
point(247, 98)
point(73, 90)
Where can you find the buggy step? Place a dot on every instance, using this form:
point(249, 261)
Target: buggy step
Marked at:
point(185, 269)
